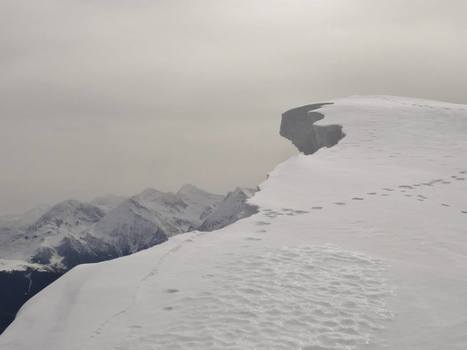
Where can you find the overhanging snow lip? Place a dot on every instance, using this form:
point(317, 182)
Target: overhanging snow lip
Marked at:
point(298, 126)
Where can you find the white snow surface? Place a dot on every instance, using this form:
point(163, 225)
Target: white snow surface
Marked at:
point(359, 246)
point(233, 207)
point(9, 265)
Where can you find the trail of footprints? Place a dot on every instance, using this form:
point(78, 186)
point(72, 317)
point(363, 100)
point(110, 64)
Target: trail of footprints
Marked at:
point(306, 297)
point(432, 107)
point(409, 191)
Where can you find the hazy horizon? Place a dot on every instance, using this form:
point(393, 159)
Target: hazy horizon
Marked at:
point(114, 97)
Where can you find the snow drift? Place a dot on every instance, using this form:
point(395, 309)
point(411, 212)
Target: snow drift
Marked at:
point(298, 125)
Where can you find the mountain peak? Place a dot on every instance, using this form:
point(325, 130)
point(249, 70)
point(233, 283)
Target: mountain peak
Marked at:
point(189, 188)
point(248, 192)
point(69, 211)
point(149, 193)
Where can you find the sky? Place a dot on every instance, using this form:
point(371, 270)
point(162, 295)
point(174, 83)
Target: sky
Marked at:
point(102, 97)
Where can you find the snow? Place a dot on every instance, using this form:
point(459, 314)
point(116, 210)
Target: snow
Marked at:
point(71, 231)
point(172, 213)
point(9, 265)
point(358, 246)
point(65, 219)
point(14, 225)
point(233, 207)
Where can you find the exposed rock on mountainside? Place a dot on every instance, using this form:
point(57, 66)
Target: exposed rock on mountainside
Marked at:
point(234, 207)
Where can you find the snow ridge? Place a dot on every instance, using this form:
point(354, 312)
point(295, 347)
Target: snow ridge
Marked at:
point(352, 248)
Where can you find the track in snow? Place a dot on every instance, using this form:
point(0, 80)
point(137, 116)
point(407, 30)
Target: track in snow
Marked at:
point(310, 297)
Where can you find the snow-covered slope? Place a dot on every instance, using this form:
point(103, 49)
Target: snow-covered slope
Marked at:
point(149, 217)
point(12, 226)
point(73, 232)
point(36, 242)
point(233, 208)
point(362, 245)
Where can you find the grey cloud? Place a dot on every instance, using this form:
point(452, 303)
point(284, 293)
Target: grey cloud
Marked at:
point(115, 96)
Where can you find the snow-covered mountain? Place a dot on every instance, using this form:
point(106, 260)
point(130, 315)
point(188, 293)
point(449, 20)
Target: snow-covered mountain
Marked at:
point(40, 245)
point(234, 207)
point(360, 245)
point(73, 232)
point(107, 202)
point(13, 225)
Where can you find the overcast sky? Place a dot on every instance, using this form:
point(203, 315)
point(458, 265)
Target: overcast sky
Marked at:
point(115, 96)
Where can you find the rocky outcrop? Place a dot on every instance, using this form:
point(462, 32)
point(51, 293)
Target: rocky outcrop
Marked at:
point(17, 286)
point(234, 207)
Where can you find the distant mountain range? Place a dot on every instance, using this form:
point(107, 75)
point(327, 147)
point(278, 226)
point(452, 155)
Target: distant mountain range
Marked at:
point(42, 244)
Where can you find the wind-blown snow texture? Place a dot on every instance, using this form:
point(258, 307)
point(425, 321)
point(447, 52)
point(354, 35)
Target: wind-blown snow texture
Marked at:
point(359, 246)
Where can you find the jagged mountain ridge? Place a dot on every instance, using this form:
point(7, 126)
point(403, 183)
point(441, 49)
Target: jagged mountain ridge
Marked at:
point(108, 202)
point(39, 246)
point(233, 207)
point(73, 232)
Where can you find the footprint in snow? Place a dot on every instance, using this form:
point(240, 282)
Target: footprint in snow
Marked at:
point(168, 308)
point(357, 198)
point(261, 223)
point(316, 208)
point(301, 212)
point(339, 203)
point(372, 193)
point(172, 290)
point(445, 205)
point(388, 189)
point(253, 239)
